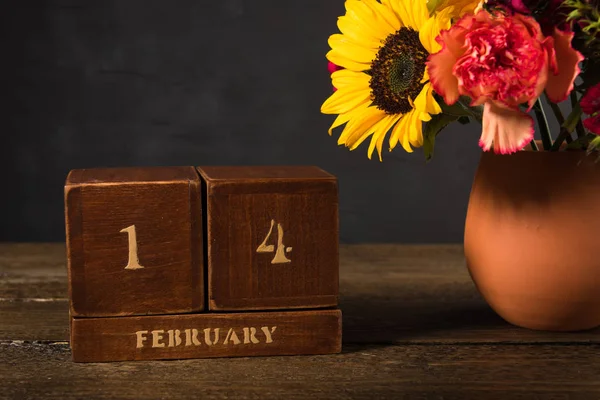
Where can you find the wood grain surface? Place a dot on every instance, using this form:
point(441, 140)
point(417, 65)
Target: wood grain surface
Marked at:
point(272, 237)
point(134, 241)
point(450, 372)
point(414, 327)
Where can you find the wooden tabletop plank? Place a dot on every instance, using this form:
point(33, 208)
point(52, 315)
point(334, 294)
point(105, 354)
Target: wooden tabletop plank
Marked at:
point(34, 321)
point(414, 327)
point(389, 294)
point(360, 372)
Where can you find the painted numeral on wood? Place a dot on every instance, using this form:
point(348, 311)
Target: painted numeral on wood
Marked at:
point(279, 257)
point(134, 261)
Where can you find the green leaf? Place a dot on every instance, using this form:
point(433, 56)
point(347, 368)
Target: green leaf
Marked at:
point(579, 143)
point(461, 108)
point(594, 144)
point(434, 126)
point(456, 109)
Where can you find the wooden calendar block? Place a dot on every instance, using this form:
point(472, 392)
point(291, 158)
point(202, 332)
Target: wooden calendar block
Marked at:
point(206, 335)
point(272, 237)
point(134, 241)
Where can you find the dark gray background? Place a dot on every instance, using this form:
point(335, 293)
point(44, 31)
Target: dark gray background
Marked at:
point(231, 82)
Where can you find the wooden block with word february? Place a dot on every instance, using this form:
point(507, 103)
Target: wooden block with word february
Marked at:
point(134, 241)
point(271, 237)
point(206, 335)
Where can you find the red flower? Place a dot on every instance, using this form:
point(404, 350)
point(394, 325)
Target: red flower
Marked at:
point(332, 68)
point(590, 104)
point(593, 124)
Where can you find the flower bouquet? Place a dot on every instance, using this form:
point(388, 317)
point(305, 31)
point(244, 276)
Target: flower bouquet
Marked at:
point(412, 67)
point(407, 69)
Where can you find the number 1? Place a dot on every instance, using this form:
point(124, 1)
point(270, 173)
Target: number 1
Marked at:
point(134, 262)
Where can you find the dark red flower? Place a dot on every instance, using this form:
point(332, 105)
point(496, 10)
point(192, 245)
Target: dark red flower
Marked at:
point(590, 104)
point(593, 124)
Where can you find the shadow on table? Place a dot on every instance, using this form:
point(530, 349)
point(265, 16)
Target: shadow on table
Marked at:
point(370, 321)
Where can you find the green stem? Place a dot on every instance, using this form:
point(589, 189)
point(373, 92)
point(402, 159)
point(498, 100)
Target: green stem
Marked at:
point(579, 127)
point(564, 134)
point(543, 124)
point(557, 112)
point(534, 145)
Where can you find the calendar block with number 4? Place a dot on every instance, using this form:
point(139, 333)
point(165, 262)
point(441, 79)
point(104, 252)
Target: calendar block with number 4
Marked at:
point(184, 262)
point(272, 237)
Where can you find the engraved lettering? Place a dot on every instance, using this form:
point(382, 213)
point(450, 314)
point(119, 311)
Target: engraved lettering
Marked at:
point(279, 257)
point(174, 337)
point(191, 337)
point(250, 335)
point(134, 262)
point(157, 337)
point(208, 340)
point(222, 336)
point(231, 336)
point(141, 338)
point(268, 333)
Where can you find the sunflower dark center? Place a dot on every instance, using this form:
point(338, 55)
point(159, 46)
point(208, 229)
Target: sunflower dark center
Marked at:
point(397, 71)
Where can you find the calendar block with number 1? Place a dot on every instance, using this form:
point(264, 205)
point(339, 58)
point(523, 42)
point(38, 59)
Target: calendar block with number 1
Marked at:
point(184, 262)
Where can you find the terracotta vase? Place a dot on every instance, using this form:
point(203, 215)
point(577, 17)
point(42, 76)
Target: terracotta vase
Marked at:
point(532, 238)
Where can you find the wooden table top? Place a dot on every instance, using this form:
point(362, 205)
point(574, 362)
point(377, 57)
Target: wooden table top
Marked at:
point(414, 327)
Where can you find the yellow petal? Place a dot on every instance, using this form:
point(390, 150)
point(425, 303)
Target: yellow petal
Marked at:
point(385, 14)
point(404, 135)
point(425, 102)
point(388, 5)
point(405, 144)
point(338, 59)
point(357, 34)
point(419, 11)
point(345, 78)
point(399, 133)
point(379, 134)
point(375, 129)
point(347, 116)
point(412, 13)
point(431, 29)
point(341, 45)
point(415, 128)
point(427, 35)
point(369, 20)
point(423, 116)
point(359, 125)
point(403, 13)
point(344, 100)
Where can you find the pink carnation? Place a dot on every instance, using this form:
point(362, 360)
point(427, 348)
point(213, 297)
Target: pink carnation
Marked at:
point(501, 62)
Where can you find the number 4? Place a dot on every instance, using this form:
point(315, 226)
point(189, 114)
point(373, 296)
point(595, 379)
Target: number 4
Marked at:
point(280, 257)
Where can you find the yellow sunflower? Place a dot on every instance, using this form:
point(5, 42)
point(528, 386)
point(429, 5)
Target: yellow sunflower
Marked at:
point(383, 84)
